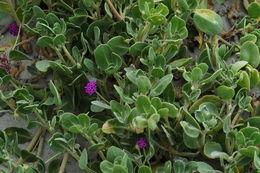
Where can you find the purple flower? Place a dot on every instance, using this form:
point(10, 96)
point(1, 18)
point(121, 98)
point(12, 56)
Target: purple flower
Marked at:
point(5, 64)
point(13, 29)
point(4, 59)
point(91, 88)
point(142, 143)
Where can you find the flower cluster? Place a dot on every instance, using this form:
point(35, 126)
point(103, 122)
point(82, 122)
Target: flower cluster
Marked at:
point(91, 88)
point(142, 143)
point(13, 29)
point(5, 64)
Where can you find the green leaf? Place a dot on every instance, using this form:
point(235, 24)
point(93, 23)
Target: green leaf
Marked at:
point(157, 19)
point(238, 65)
point(168, 167)
point(256, 161)
point(183, 5)
point(43, 65)
point(137, 48)
point(63, 71)
point(254, 78)
point(207, 98)
point(118, 110)
point(144, 4)
point(106, 59)
point(118, 45)
point(144, 169)
point(213, 150)
point(106, 166)
point(190, 130)
point(45, 41)
point(178, 29)
point(208, 21)
point(248, 37)
point(54, 166)
point(249, 151)
point(16, 55)
point(180, 62)
point(4, 7)
point(250, 52)
point(161, 85)
point(28, 156)
point(22, 134)
point(240, 139)
point(52, 19)
point(84, 120)
point(173, 111)
point(83, 161)
point(38, 12)
point(253, 10)
point(59, 40)
point(101, 104)
point(114, 152)
point(102, 55)
point(57, 143)
point(55, 93)
point(179, 166)
point(225, 92)
point(152, 121)
point(169, 93)
point(125, 98)
point(192, 143)
point(205, 168)
point(143, 104)
point(119, 168)
point(244, 80)
point(196, 74)
point(67, 120)
point(144, 84)
point(162, 9)
point(212, 77)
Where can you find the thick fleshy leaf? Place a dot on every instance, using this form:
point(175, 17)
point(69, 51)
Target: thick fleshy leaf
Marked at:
point(250, 52)
point(208, 21)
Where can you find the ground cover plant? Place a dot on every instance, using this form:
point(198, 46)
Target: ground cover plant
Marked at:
point(151, 85)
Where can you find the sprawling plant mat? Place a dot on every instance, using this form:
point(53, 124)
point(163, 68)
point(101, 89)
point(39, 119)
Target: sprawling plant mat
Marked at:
point(125, 86)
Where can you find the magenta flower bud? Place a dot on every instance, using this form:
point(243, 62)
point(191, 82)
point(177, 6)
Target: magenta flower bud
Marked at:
point(91, 88)
point(14, 29)
point(4, 59)
point(5, 64)
point(142, 143)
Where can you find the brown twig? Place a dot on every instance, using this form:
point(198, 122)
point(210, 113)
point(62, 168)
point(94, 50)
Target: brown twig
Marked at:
point(113, 10)
point(25, 41)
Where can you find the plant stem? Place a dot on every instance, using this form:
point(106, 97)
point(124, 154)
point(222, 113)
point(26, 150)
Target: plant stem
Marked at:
point(69, 55)
point(41, 119)
point(25, 41)
point(10, 3)
point(2, 97)
point(236, 118)
point(224, 41)
point(16, 82)
point(18, 35)
point(40, 146)
point(53, 157)
point(64, 163)
point(102, 98)
point(59, 55)
point(145, 32)
point(113, 10)
point(32, 143)
point(101, 154)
